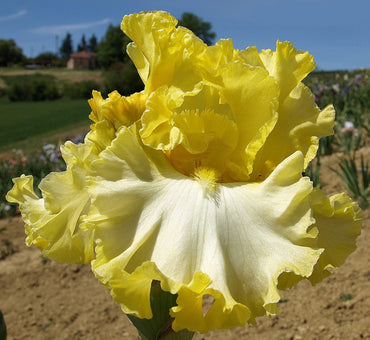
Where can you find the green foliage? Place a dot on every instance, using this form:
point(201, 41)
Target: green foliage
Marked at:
point(3, 92)
point(326, 146)
point(80, 90)
point(23, 120)
point(112, 48)
point(313, 172)
point(41, 87)
point(66, 47)
point(36, 87)
point(357, 182)
point(349, 142)
point(47, 58)
point(82, 46)
point(349, 92)
point(10, 53)
point(123, 78)
point(93, 44)
point(346, 297)
point(199, 27)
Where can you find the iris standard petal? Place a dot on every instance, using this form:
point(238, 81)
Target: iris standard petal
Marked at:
point(287, 65)
point(163, 53)
point(299, 127)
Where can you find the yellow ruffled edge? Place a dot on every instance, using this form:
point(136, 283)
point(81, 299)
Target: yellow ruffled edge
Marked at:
point(132, 292)
point(346, 219)
point(287, 65)
point(116, 109)
point(49, 222)
point(21, 193)
point(58, 235)
point(334, 216)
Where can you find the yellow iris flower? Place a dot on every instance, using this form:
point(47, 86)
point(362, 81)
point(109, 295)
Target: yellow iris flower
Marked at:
point(197, 182)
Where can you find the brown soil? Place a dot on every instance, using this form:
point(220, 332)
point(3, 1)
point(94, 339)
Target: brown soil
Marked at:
point(46, 300)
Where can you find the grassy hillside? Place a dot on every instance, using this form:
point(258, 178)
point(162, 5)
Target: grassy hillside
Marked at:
point(25, 120)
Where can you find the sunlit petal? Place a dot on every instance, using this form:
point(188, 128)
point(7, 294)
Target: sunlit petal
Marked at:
point(228, 236)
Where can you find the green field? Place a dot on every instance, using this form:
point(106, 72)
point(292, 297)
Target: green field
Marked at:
point(21, 121)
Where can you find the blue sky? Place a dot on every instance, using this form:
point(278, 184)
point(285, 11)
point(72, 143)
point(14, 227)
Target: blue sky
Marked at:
point(336, 32)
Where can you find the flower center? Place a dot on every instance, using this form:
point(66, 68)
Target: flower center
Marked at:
point(206, 177)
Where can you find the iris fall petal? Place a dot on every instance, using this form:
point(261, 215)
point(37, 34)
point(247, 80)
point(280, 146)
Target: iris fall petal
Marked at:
point(228, 237)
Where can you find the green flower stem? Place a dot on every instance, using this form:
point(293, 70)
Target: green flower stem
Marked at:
point(2, 327)
point(159, 327)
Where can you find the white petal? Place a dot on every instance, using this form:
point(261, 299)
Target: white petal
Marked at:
point(243, 236)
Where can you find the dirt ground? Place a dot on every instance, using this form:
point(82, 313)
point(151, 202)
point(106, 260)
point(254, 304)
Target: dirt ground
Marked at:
point(46, 300)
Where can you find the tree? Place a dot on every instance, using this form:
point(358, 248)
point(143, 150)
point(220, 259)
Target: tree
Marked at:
point(92, 46)
point(112, 48)
point(66, 48)
point(123, 77)
point(47, 58)
point(82, 46)
point(10, 53)
point(199, 27)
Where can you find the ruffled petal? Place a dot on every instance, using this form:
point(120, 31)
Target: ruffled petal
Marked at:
point(53, 223)
point(202, 129)
point(300, 123)
point(116, 109)
point(254, 118)
point(31, 206)
point(337, 225)
point(338, 220)
point(299, 127)
point(251, 56)
point(101, 135)
point(287, 65)
point(231, 242)
point(162, 53)
point(158, 130)
point(194, 130)
point(145, 51)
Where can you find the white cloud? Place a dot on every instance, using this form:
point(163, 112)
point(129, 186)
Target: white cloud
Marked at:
point(14, 16)
point(55, 29)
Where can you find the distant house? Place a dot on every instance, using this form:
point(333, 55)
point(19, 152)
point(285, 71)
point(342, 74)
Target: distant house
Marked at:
point(82, 60)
